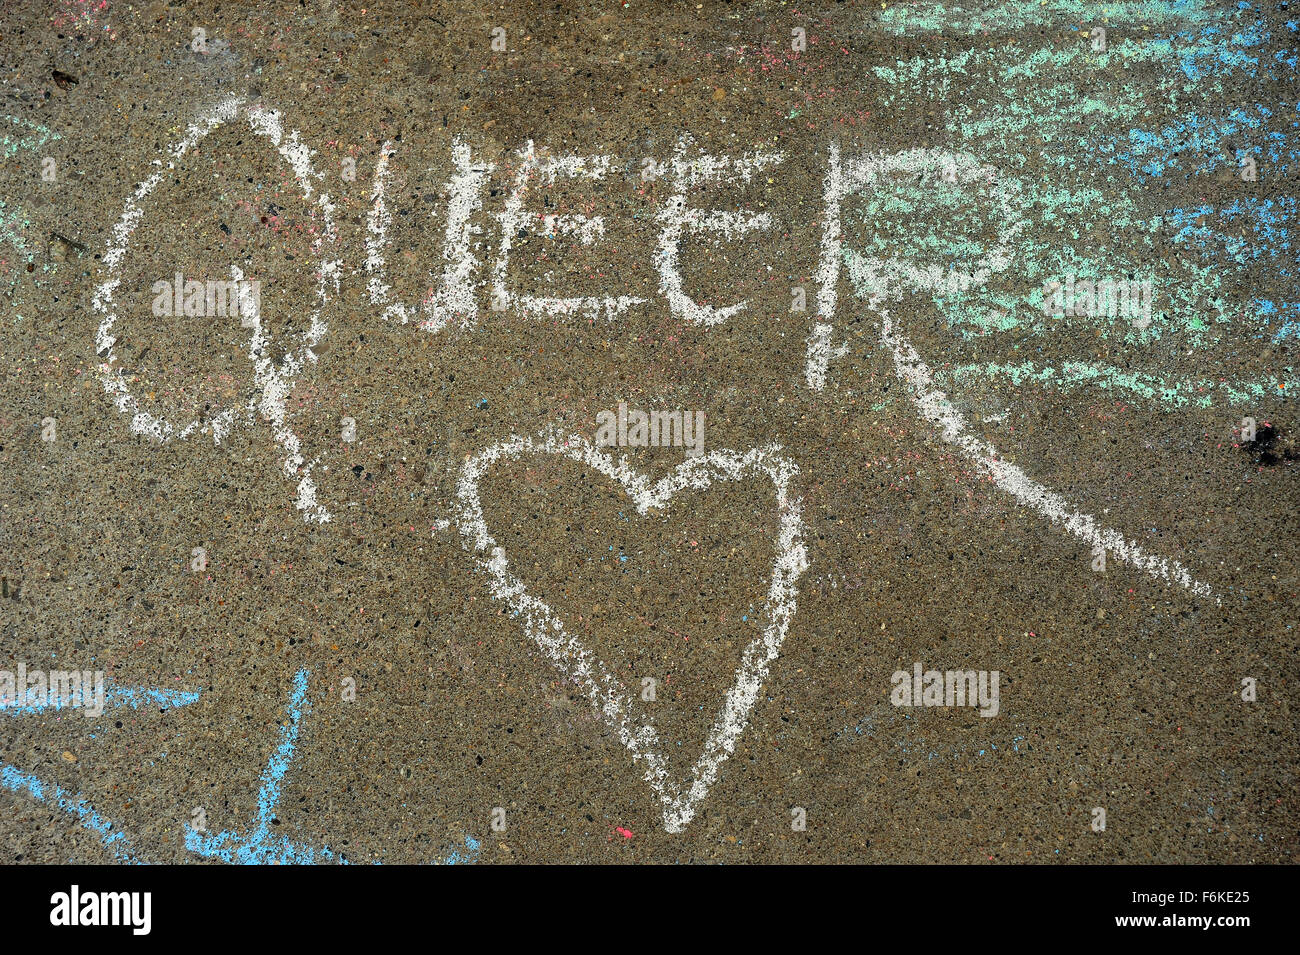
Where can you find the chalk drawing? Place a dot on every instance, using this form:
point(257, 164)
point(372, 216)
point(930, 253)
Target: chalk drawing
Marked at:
point(930, 16)
point(877, 275)
point(75, 805)
point(33, 137)
point(889, 275)
point(995, 98)
point(615, 703)
point(877, 280)
point(272, 381)
point(935, 407)
point(259, 845)
point(1174, 393)
point(116, 696)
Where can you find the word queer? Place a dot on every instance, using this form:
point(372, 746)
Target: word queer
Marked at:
point(453, 296)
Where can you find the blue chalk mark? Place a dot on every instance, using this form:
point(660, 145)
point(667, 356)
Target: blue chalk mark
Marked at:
point(261, 846)
point(138, 696)
point(1218, 50)
point(1241, 232)
point(1194, 145)
point(115, 696)
point(470, 856)
point(76, 805)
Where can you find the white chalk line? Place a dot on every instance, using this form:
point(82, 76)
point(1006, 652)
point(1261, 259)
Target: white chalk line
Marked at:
point(877, 280)
point(935, 407)
point(677, 217)
point(513, 218)
point(572, 658)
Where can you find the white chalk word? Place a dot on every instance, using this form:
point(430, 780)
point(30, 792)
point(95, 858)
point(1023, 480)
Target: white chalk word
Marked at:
point(456, 291)
point(615, 703)
point(656, 429)
point(947, 688)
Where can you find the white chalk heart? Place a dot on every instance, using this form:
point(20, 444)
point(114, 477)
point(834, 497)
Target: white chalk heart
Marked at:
point(609, 696)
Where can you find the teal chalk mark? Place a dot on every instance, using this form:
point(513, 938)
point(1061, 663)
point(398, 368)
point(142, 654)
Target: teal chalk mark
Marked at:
point(12, 141)
point(73, 804)
point(1092, 228)
point(261, 846)
point(909, 19)
point(13, 223)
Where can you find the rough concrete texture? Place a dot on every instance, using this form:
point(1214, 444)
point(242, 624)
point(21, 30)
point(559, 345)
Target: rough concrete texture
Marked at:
point(263, 527)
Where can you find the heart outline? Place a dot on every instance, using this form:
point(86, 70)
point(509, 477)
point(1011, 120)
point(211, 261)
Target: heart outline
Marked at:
point(574, 660)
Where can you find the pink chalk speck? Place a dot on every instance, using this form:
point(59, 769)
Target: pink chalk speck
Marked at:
point(625, 833)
